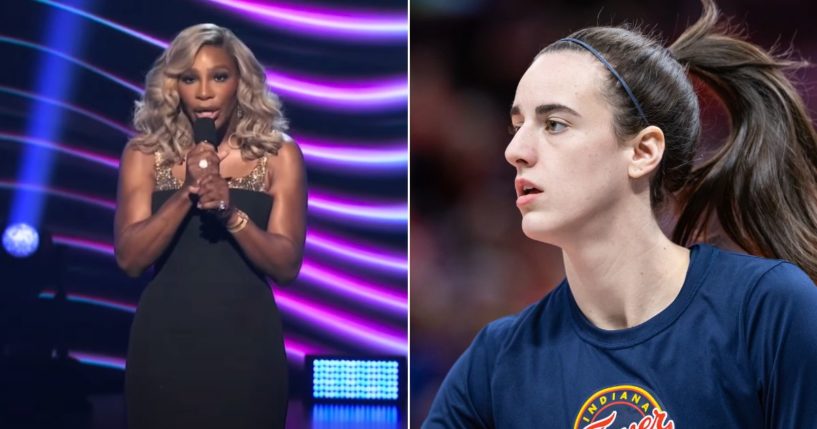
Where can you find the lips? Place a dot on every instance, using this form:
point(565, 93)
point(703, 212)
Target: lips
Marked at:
point(525, 187)
point(526, 192)
point(206, 113)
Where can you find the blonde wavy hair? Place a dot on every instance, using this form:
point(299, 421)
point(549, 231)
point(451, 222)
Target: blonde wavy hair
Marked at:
point(159, 120)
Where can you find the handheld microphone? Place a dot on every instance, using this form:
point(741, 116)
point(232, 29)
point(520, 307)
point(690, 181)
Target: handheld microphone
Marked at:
point(204, 131)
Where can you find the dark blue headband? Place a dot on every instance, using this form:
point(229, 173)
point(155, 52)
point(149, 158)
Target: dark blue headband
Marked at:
point(613, 71)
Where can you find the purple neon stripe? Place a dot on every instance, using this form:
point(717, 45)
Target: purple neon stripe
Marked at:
point(98, 360)
point(375, 93)
point(309, 272)
point(355, 158)
point(92, 300)
point(324, 22)
point(324, 204)
point(19, 42)
point(342, 153)
point(106, 22)
point(70, 195)
point(324, 278)
point(331, 154)
point(76, 109)
point(370, 257)
point(79, 153)
point(356, 327)
point(391, 92)
point(343, 325)
point(84, 244)
point(295, 350)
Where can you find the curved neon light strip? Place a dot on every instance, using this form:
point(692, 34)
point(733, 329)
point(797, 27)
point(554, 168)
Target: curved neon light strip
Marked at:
point(342, 325)
point(324, 22)
point(328, 154)
point(368, 94)
point(294, 349)
point(83, 64)
point(70, 195)
point(393, 214)
point(79, 153)
point(98, 360)
point(311, 273)
point(76, 109)
point(103, 21)
point(369, 256)
point(334, 153)
point(392, 92)
point(316, 275)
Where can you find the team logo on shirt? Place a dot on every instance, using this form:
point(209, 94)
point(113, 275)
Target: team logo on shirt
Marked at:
point(623, 407)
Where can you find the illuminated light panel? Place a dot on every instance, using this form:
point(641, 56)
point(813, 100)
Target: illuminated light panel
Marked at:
point(327, 23)
point(371, 257)
point(76, 109)
point(93, 69)
point(355, 289)
point(69, 195)
point(355, 379)
point(333, 416)
point(342, 325)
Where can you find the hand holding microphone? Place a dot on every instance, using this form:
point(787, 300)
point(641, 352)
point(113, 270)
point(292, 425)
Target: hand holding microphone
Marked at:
point(203, 174)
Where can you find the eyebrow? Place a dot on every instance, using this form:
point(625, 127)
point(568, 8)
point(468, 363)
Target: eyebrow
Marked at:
point(544, 109)
point(215, 67)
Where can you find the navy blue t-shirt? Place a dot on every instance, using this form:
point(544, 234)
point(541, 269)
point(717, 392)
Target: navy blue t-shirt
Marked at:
point(736, 349)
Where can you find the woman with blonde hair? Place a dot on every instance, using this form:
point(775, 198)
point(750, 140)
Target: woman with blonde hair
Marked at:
point(645, 332)
point(213, 219)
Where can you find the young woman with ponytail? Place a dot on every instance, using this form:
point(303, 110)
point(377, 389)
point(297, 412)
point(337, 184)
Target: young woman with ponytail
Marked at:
point(645, 332)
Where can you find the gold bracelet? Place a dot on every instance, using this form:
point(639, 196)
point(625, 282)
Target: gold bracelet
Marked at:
point(242, 222)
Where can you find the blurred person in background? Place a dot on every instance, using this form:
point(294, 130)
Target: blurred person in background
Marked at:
point(497, 360)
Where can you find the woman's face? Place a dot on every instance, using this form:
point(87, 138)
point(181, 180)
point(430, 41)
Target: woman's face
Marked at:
point(571, 172)
point(208, 88)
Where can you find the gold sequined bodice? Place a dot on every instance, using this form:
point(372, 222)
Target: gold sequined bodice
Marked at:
point(255, 181)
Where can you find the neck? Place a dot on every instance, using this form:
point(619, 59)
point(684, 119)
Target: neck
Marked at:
point(625, 272)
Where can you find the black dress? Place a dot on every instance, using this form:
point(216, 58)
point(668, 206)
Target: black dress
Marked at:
point(206, 347)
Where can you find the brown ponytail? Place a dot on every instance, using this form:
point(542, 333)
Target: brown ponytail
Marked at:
point(762, 183)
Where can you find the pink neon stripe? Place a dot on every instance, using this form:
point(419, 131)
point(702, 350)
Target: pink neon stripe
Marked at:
point(326, 279)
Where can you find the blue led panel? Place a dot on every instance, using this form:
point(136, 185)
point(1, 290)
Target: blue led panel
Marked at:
point(356, 379)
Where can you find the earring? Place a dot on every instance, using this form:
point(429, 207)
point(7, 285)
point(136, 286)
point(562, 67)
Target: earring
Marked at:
point(239, 112)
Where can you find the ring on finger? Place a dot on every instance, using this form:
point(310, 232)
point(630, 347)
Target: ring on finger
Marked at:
point(222, 205)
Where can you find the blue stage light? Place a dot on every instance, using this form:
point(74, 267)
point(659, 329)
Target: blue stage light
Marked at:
point(21, 240)
point(356, 379)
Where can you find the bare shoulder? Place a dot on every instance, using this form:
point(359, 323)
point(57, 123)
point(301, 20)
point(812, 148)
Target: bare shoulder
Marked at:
point(288, 154)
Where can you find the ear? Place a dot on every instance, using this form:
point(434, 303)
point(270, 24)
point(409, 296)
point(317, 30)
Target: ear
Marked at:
point(648, 150)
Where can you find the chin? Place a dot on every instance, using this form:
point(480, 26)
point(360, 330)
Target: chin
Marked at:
point(536, 227)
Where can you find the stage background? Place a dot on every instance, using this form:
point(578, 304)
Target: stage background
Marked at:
point(470, 262)
point(70, 75)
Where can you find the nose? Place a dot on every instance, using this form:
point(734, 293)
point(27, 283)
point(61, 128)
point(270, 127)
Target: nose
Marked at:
point(520, 151)
point(204, 92)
